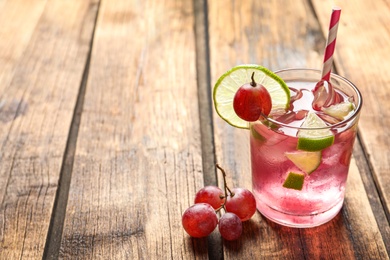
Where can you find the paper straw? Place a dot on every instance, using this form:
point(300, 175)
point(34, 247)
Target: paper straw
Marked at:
point(331, 43)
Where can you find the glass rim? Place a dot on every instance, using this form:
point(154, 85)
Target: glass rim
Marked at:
point(339, 124)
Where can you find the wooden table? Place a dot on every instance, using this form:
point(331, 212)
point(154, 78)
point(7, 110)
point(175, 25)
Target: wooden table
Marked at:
point(107, 128)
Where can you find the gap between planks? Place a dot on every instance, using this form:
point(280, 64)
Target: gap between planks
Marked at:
point(53, 240)
point(203, 76)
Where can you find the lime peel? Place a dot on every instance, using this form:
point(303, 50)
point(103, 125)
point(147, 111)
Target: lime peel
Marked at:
point(315, 139)
point(294, 181)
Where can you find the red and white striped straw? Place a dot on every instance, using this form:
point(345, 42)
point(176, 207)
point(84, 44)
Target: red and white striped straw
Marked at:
point(331, 43)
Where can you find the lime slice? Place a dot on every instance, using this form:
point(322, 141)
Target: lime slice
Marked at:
point(315, 139)
point(294, 181)
point(228, 84)
point(306, 161)
point(339, 111)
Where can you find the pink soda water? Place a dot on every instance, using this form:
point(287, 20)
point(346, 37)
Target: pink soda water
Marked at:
point(322, 194)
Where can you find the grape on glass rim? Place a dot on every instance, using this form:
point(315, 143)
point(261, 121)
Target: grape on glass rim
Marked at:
point(251, 101)
point(212, 195)
point(230, 226)
point(199, 220)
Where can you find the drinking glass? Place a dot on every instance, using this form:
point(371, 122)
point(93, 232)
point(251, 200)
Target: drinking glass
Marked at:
point(271, 142)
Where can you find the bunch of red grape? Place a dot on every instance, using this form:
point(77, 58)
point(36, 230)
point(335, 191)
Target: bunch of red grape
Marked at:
point(201, 219)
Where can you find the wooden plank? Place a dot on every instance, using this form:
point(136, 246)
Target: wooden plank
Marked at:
point(19, 19)
point(373, 194)
point(280, 34)
point(13, 42)
point(138, 157)
point(363, 29)
point(362, 51)
point(43, 48)
point(247, 32)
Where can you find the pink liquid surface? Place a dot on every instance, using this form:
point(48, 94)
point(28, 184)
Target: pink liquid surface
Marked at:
point(322, 195)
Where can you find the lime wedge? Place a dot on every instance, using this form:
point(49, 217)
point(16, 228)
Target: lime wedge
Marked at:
point(256, 134)
point(294, 181)
point(306, 161)
point(339, 111)
point(228, 84)
point(317, 138)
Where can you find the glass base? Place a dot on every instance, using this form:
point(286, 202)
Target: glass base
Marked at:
point(299, 221)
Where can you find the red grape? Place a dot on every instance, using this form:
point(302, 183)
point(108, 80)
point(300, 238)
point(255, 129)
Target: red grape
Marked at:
point(230, 226)
point(199, 220)
point(251, 100)
point(243, 203)
point(211, 195)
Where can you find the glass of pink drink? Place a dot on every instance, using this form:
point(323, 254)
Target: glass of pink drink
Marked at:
point(274, 139)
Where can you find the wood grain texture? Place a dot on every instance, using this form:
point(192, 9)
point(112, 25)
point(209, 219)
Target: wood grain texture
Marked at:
point(280, 34)
point(138, 160)
point(19, 20)
point(148, 141)
point(362, 44)
point(43, 47)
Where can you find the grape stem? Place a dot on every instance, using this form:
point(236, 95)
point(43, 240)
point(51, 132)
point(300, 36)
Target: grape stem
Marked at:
point(226, 188)
point(253, 83)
